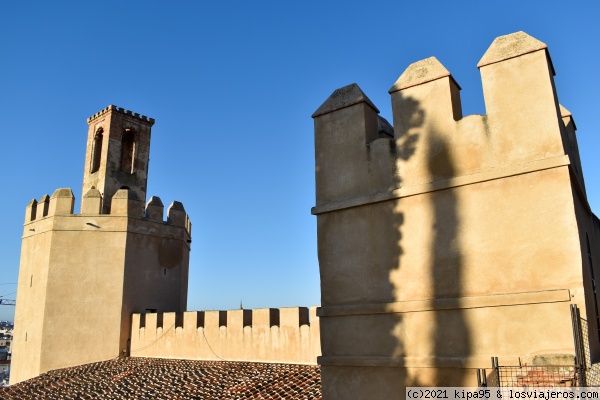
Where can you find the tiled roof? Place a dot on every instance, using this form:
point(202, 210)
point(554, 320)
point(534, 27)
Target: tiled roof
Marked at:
point(155, 378)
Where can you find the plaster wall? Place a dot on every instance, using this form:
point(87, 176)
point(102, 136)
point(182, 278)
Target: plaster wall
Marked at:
point(285, 335)
point(31, 292)
point(94, 270)
point(456, 240)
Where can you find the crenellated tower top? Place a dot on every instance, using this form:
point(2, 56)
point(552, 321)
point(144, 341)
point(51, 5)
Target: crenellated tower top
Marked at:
point(431, 141)
point(117, 155)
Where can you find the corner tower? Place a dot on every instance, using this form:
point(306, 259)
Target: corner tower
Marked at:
point(455, 238)
point(81, 276)
point(117, 155)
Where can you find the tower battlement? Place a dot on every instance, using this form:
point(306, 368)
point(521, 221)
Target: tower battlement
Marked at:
point(124, 203)
point(439, 239)
point(123, 111)
point(432, 143)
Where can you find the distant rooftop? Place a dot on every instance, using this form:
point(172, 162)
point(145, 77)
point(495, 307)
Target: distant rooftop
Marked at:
point(156, 378)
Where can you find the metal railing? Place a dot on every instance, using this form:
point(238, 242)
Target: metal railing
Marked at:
point(582, 373)
point(530, 375)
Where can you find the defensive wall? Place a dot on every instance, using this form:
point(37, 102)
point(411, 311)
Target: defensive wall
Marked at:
point(449, 239)
point(282, 335)
point(82, 275)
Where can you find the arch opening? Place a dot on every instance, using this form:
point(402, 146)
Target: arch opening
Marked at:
point(127, 151)
point(97, 150)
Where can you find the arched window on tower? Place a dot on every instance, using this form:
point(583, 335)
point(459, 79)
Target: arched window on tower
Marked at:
point(127, 150)
point(97, 150)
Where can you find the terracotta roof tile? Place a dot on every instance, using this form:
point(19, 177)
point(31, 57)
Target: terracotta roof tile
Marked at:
point(156, 378)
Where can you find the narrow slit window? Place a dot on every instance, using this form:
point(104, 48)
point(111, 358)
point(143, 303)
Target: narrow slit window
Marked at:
point(127, 151)
point(97, 151)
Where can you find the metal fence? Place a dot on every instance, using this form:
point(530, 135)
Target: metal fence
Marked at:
point(530, 375)
point(590, 372)
point(581, 373)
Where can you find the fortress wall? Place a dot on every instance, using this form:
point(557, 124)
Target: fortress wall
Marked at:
point(439, 240)
point(137, 257)
point(125, 203)
point(285, 335)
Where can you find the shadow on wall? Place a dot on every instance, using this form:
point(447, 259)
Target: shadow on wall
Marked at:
point(435, 257)
point(451, 336)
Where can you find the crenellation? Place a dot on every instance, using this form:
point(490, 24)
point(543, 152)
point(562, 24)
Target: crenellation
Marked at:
point(151, 320)
point(346, 124)
point(241, 335)
point(212, 320)
point(43, 206)
point(123, 111)
point(190, 321)
point(293, 317)
point(168, 320)
point(91, 203)
point(511, 46)
point(235, 321)
point(138, 320)
point(431, 140)
point(519, 93)
point(420, 72)
point(126, 202)
point(176, 214)
point(344, 97)
point(154, 209)
point(426, 105)
point(61, 202)
point(30, 211)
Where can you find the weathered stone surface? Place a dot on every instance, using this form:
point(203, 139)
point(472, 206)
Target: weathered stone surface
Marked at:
point(420, 72)
point(510, 46)
point(344, 97)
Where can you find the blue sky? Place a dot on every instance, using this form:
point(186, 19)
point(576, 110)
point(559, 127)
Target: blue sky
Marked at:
point(232, 86)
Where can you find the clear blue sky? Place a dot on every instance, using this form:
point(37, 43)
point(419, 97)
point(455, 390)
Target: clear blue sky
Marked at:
point(232, 86)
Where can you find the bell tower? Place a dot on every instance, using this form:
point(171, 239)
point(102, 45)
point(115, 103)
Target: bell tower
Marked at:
point(117, 154)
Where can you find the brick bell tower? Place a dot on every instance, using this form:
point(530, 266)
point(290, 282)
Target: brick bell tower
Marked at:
point(117, 155)
point(81, 276)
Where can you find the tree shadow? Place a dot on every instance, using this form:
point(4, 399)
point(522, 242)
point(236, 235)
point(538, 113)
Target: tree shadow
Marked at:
point(444, 338)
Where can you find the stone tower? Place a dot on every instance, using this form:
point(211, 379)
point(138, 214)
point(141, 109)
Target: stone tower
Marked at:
point(82, 275)
point(117, 155)
point(452, 238)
